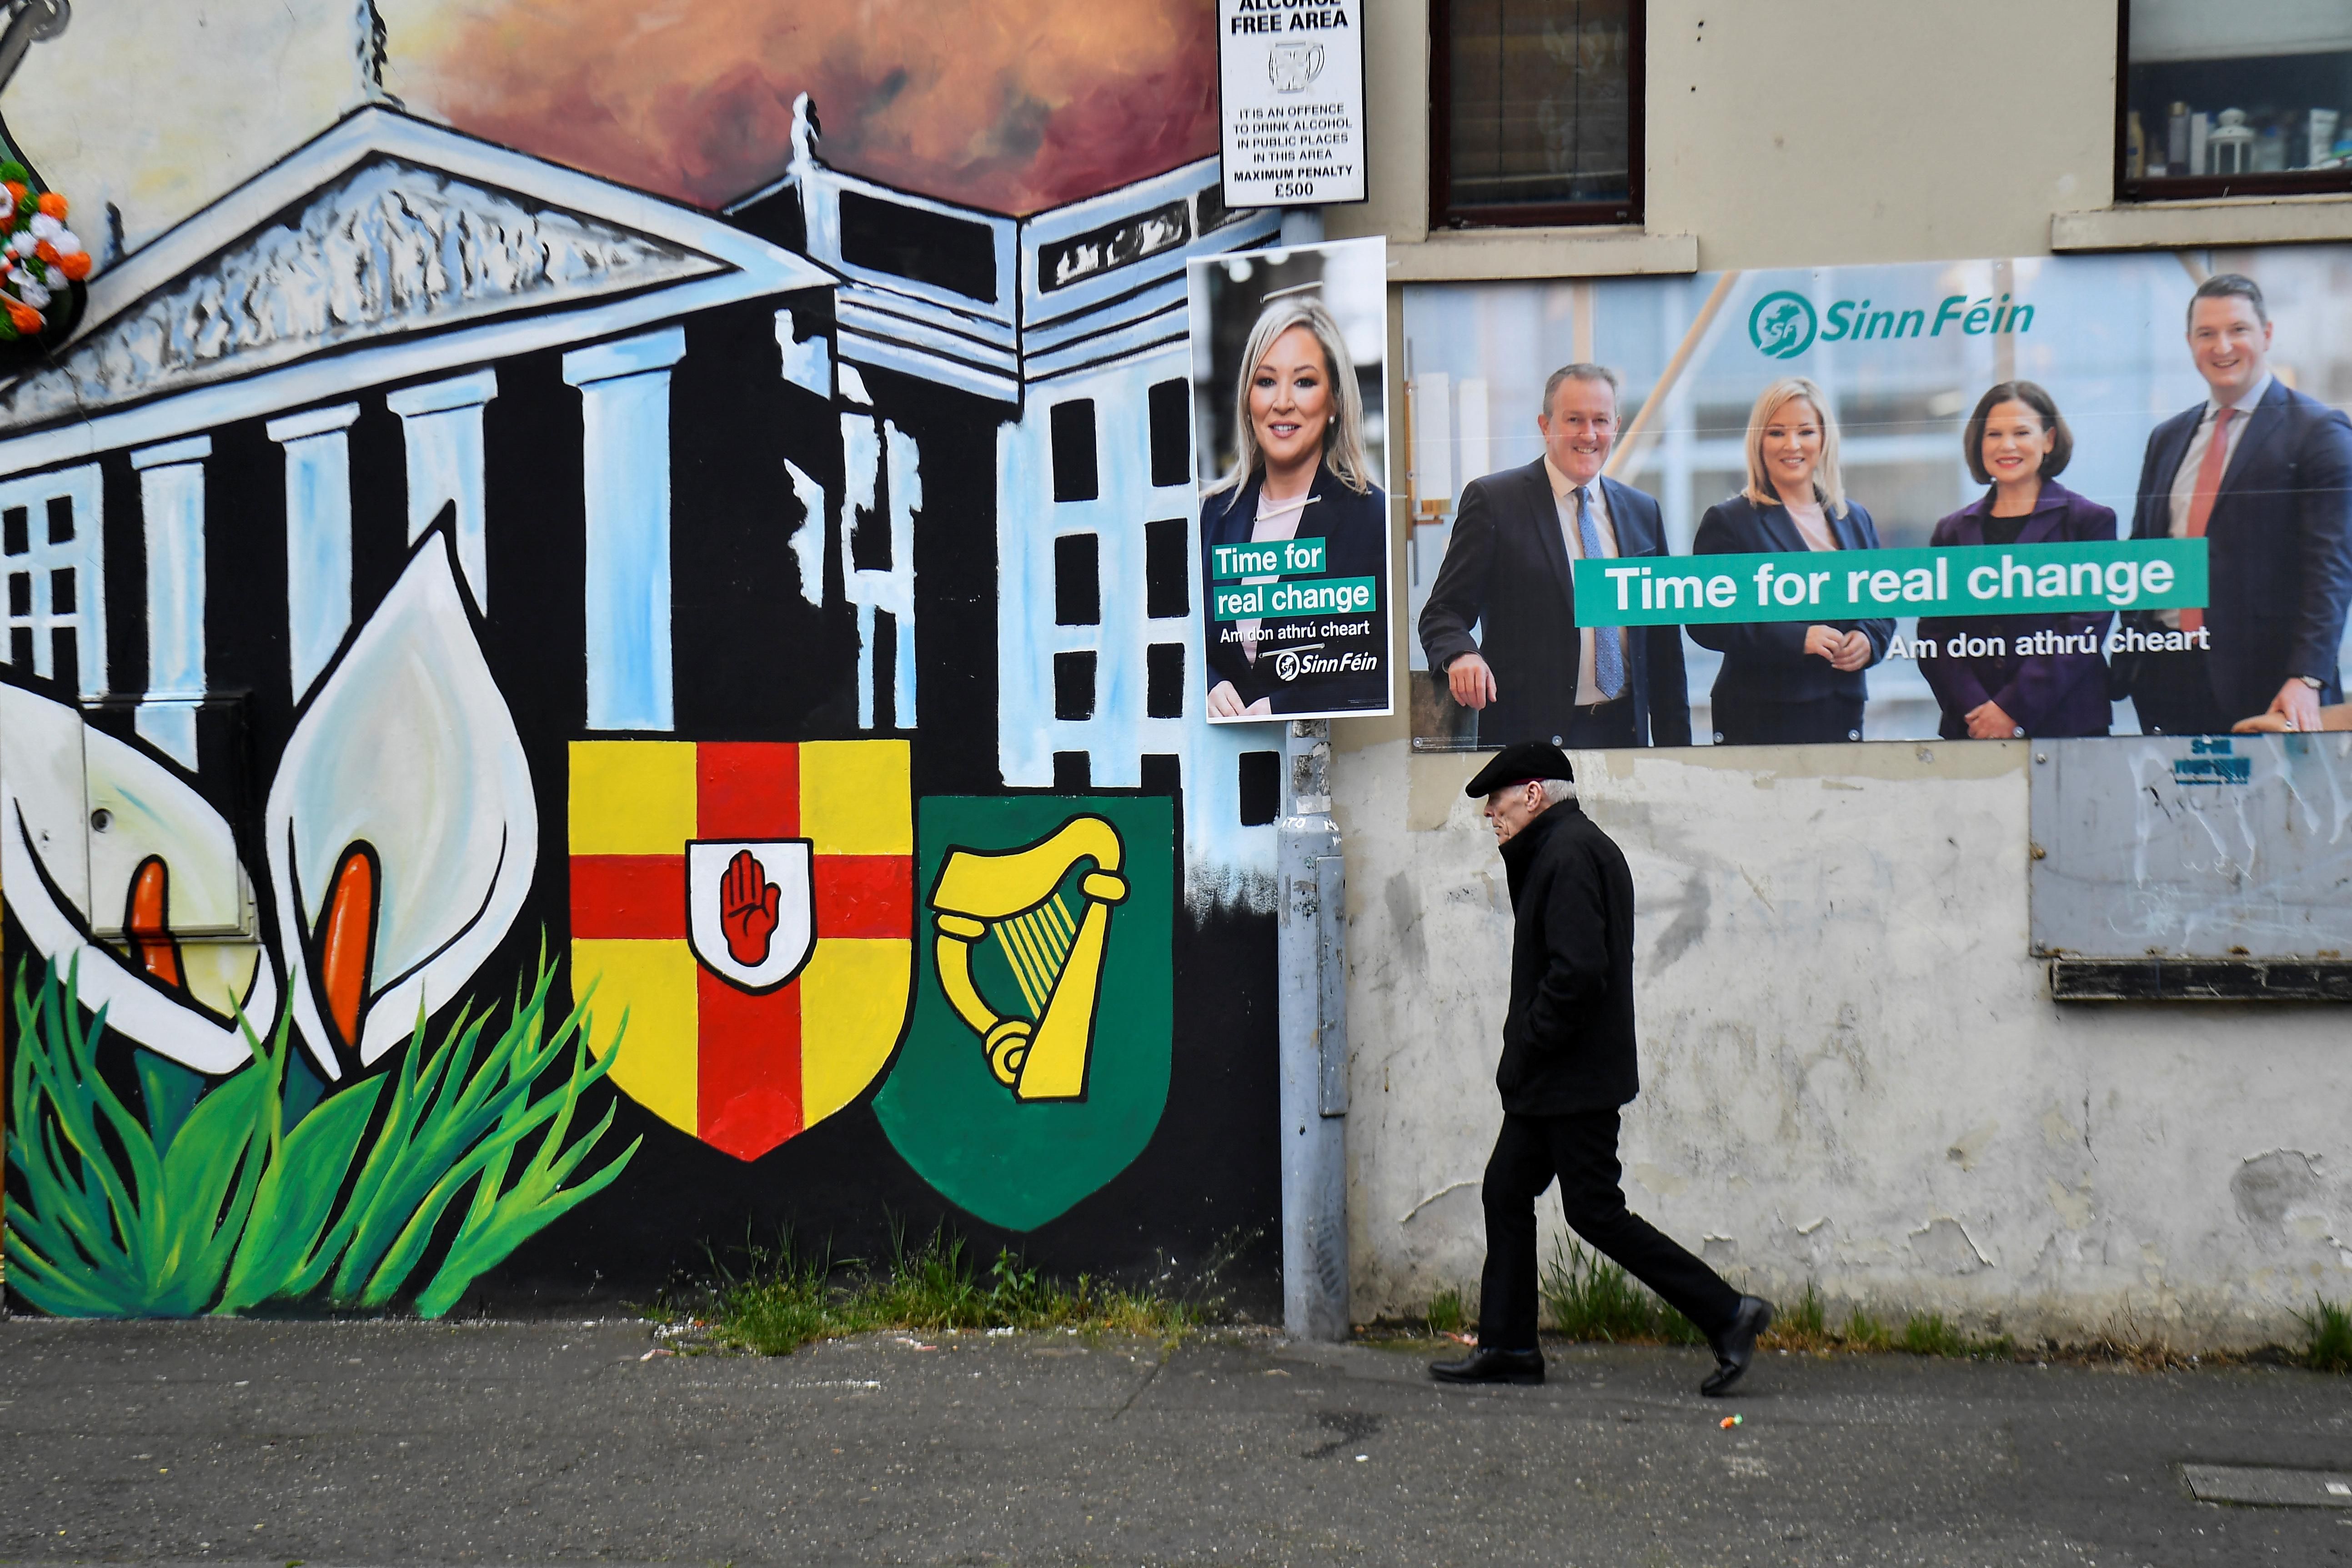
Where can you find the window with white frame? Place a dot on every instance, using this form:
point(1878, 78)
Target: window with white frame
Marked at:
point(52, 548)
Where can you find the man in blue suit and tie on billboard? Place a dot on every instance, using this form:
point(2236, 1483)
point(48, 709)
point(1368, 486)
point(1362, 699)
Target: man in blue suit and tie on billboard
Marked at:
point(1532, 672)
point(2264, 474)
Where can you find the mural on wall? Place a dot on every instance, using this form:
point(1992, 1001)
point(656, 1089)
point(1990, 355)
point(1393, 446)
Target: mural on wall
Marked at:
point(401, 830)
point(1011, 108)
point(1037, 1062)
point(402, 827)
point(546, 727)
point(751, 905)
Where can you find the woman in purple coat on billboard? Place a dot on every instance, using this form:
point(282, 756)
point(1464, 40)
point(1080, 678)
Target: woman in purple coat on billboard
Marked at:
point(2019, 675)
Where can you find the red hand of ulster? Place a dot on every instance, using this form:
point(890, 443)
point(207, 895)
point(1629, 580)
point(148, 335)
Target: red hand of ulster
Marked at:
point(747, 902)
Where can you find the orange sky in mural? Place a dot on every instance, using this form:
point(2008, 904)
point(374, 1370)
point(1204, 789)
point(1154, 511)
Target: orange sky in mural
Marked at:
point(1013, 105)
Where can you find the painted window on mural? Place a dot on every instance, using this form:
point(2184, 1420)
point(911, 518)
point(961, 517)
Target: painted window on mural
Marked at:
point(1075, 474)
point(917, 243)
point(1077, 580)
point(55, 559)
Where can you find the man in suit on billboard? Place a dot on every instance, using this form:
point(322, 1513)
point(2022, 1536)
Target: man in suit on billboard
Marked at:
point(1536, 674)
point(2264, 475)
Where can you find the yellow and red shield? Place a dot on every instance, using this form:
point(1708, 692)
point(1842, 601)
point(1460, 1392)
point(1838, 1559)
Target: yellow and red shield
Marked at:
point(785, 844)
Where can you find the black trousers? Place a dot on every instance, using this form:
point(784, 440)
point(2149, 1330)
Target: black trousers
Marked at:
point(1581, 1149)
point(2173, 695)
point(1821, 719)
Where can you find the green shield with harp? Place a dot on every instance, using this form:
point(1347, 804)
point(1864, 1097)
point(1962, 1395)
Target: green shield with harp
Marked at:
point(1036, 1066)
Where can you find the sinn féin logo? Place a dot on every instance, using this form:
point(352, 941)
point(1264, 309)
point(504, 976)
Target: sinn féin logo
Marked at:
point(1782, 324)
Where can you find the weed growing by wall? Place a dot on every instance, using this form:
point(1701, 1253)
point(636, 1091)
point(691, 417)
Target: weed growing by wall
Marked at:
point(787, 1299)
point(1590, 1298)
point(2328, 1327)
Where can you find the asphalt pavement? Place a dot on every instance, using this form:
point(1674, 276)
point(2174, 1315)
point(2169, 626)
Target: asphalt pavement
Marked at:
point(329, 1444)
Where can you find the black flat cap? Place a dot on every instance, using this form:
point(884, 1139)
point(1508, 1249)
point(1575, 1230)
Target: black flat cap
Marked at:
point(1517, 764)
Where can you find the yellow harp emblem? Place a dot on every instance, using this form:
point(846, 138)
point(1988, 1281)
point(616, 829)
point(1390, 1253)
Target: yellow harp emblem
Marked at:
point(1015, 901)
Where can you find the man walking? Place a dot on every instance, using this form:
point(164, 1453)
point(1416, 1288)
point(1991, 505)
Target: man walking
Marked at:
point(1534, 673)
point(1568, 1065)
point(2264, 474)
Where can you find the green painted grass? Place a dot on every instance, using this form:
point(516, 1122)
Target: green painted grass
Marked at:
point(221, 1195)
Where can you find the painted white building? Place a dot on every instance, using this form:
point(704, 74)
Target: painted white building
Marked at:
point(1072, 322)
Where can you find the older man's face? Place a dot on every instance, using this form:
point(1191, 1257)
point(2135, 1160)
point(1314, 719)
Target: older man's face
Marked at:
point(1513, 806)
point(1580, 428)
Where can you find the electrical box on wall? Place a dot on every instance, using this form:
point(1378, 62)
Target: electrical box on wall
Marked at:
point(205, 894)
point(2193, 867)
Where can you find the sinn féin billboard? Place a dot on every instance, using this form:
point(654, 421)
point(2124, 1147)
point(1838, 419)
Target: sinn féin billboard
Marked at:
point(2048, 496)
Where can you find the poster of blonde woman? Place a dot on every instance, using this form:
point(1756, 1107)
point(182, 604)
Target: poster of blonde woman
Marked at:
point(1290, 428)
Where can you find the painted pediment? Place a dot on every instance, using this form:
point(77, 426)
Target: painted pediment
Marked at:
point(384, 228)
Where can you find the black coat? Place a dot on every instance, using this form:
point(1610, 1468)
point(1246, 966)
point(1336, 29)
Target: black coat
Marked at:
point(1354, 525)
point(1506, 572)
point(1766, 661)
point(1567, 1040)
point(2278, 554)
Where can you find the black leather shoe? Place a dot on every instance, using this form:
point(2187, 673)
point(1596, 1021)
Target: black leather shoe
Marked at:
point(1484, 1366)
point(1736, 1346)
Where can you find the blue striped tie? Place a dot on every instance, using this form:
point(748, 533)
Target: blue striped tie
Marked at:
point(1608, 647)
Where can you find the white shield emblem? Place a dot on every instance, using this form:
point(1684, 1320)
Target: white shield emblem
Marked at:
point(750, 908)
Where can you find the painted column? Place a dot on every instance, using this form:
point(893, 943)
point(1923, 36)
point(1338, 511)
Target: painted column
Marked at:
point(624, 430)
point(441, 425)
point(318, 536)
point(172, 502)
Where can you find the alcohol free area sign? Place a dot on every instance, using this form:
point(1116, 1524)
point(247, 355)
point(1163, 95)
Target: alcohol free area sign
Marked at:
point(1291, 84)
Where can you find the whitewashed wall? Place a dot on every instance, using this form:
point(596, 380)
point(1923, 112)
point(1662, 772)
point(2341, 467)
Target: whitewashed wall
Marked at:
point(1852, 1072)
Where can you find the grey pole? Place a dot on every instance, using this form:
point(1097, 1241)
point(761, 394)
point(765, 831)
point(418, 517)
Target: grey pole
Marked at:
point(1313, 1022)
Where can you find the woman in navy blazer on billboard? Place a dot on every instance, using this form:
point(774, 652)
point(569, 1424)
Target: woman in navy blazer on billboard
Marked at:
point(1302, 474)
point(2017, 444)
point(1790, 681)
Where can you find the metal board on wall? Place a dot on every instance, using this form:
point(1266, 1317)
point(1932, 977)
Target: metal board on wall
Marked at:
point(2220, 847)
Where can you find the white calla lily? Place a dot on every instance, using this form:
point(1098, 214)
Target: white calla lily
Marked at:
point(162, 840)
point(401, 829)
point(401, 836)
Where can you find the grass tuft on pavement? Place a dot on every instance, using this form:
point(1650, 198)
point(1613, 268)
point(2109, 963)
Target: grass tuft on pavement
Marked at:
point(786, 1299)
point(1866, 1332)
point(1590, 1297)
point(2328, 1344)
point(1804, 1325)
